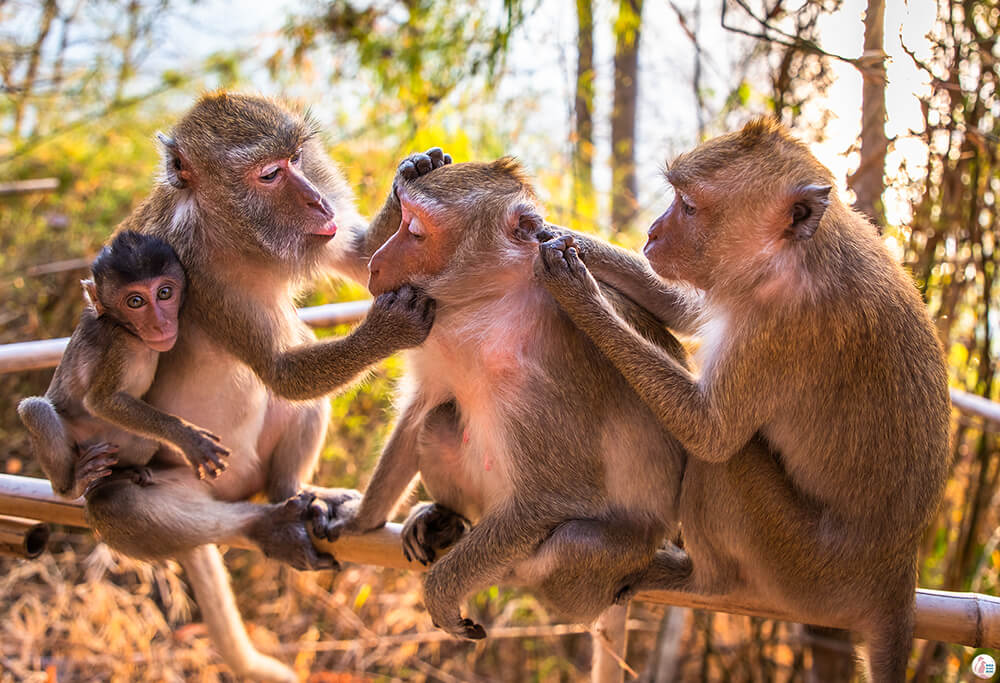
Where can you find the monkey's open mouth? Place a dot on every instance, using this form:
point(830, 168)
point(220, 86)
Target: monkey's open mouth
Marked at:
point(329, 229)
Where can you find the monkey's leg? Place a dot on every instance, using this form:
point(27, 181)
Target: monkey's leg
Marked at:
point(581, 567)
point(208, 577)
point(482, 558)
point(178, 512)
point(51, 444)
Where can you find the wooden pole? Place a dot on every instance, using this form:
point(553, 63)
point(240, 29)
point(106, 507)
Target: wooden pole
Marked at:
point(13, 187)
point(970, 619)
point(21, 537)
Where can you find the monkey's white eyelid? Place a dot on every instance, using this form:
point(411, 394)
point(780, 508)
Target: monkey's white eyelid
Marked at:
point(415, 228)
point(269, 174)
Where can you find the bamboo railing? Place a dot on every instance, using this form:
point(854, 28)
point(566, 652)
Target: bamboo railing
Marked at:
point(970, 619)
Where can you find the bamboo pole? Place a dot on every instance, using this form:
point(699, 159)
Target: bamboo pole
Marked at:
point(21, 537)
point(970, 619)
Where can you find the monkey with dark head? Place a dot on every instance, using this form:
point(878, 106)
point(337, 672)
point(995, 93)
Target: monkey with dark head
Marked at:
point(251, 204)
point(814, 339)
point(511, 417)
point(93, 407)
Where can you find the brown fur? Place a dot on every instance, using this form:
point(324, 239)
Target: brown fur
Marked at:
point(248, 245)
point(512, 418)
point(817, 342)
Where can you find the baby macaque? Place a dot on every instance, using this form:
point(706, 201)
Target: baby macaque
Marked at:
point(92, 419)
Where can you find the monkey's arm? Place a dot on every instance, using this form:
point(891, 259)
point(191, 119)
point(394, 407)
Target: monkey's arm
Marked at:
point(397, 320)
point(394, 475)
point(631, 275)
point(106, 399)
point(708, 418)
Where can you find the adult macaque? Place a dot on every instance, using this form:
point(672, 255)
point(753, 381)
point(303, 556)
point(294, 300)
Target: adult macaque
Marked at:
point(813, 338)
point(511, 416)
point(250, 203)
point(93, 408)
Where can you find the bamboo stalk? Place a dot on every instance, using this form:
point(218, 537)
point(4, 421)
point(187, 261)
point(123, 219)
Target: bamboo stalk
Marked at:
point(970, 619)
point(21, 537)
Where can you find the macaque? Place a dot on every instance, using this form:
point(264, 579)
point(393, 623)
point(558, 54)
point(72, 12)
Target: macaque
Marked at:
point(511, 416)
point(255, 210)
point(92, 417)
point(815, 343)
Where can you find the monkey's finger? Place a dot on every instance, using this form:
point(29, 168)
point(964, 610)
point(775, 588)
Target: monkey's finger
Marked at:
point(209, 435)
point(435, 153)
point(424, 164)
point(447, 159)
point(407, 169)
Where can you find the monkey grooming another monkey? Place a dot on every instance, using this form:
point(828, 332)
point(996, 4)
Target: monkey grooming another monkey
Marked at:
point(813, 338)
point(510, 415)
point(251, 204)
point(93, 407)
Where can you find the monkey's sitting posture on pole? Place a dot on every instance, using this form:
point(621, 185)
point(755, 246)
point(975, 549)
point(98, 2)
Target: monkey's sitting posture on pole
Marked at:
point(511, 416)
point(813, 339)
point(93, 408)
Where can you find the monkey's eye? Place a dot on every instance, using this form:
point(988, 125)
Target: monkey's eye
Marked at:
point(271, 176)
point(164, 292)
point(135, 301)
point(688, 209)
point(416, 229)
point(295, 158)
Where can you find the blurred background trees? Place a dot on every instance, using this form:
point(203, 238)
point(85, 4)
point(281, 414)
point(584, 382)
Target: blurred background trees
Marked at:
point(898, 98)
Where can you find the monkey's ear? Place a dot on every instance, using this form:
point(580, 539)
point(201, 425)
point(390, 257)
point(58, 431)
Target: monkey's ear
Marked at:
point(809, 203)
point(177, 170)
point(90, 296)
point(524, 223)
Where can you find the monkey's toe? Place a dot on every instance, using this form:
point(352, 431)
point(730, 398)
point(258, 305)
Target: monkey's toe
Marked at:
point(470, 630)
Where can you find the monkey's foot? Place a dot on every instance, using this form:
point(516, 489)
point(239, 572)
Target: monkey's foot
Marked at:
point(429, 528)
point(466, 629)
point(331, 511)
point(282, 534)
point(93, 467)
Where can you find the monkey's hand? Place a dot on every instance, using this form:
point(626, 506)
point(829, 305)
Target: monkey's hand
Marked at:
point(333, 517)
point(282, 534)
point(583, 244)
point(203, 452)
point(419, 164)
point(564, 274)
point(92, 466)
point(429, 528)
point(401, 318)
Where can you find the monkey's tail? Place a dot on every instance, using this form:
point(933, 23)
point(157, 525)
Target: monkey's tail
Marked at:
point(210, 581)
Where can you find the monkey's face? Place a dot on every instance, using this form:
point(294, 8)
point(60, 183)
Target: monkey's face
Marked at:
point(677, 246)
point(420, 249)
point(290, 214)
point(147, 308)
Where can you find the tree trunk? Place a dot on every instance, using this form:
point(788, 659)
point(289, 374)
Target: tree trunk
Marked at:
point(868, 182)
point(623, 114)
point(583, 107)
